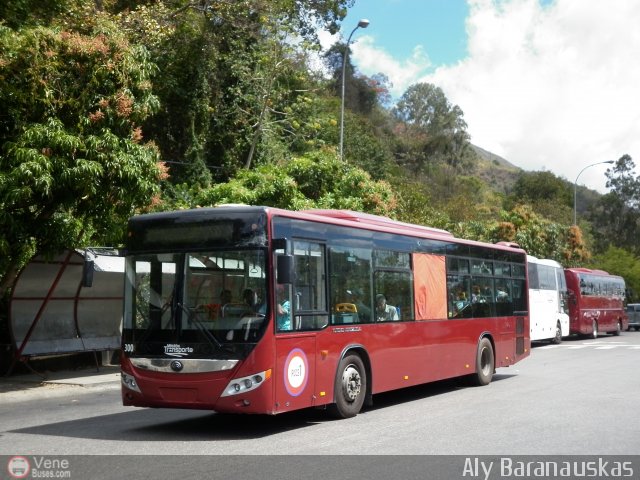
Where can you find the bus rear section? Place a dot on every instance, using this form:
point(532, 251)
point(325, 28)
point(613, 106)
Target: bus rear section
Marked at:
point(596, 302)
point(548, 306)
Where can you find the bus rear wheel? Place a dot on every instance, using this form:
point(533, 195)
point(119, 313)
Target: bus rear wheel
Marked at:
point(558, 337)
point(618, 329)
point(350, 387)
point(485, 363)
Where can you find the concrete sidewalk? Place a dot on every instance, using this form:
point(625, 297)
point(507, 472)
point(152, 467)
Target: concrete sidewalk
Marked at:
point(22, 387)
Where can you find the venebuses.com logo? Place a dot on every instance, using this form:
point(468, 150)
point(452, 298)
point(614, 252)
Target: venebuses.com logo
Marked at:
point(38, 467)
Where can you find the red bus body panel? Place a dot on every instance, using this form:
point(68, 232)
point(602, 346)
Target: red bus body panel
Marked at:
point(398, 355)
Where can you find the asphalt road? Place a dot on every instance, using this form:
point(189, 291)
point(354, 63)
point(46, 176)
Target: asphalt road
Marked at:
point(577, 398)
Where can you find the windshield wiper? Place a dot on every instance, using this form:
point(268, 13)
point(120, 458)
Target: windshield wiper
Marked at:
point(192, 318)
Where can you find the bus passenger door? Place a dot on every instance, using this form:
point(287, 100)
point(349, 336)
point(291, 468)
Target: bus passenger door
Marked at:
point(305, 299)
point(295, 371)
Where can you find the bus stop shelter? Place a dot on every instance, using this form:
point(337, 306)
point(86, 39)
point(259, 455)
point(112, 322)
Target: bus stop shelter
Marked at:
point(70, 303)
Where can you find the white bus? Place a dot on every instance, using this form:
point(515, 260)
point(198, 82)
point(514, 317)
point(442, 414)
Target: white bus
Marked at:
point(548, 308)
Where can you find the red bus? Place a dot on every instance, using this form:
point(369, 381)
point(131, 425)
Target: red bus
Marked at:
point(596, 302)
point(262, 310)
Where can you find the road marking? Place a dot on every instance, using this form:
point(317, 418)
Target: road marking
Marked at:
point(595, 346)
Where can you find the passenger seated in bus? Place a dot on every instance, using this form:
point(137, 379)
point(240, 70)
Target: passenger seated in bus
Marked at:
point(385, 312)
point(214, 310)
point(476, 296)
point(283, 309)
point(502, 296)
point(461, 300)
point(251, 299)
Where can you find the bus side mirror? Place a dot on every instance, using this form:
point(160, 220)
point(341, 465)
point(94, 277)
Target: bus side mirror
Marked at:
point(284, 268)
point(87, 273)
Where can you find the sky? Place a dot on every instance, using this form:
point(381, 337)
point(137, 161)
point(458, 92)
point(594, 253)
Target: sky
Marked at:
point(546, 84)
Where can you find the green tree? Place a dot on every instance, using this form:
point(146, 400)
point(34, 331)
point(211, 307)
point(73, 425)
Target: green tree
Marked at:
point(73, 166)
point(616, 216)
point(438, 126)
point(538, 236)
point(16, 14)
point(315, 180)
point(360, 92)
point(231, 78)
point(549, 195)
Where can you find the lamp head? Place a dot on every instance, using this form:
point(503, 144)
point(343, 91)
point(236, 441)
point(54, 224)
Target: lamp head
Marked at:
point(363, 23)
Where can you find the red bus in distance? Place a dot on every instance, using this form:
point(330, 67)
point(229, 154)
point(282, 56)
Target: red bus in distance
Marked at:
point(596, 302)
point(261, 310)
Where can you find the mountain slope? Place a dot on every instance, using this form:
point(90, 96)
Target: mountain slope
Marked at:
point(497, 172)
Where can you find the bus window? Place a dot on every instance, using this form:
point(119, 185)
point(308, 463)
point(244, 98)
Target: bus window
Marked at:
point(502, 269)
point(396, 288)
point(393, 285)
point(459, 293)
point(350, 280)
point(309, 297)
point(519, 296)
point(457, 265)
point(481, 267)
point(483, 297)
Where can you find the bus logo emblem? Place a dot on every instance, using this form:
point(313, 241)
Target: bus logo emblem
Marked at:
point(176, 365)
point(176, 350)
point(296, 369)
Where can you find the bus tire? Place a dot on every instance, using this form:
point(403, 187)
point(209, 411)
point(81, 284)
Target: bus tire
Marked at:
point(485, 363)
point(618, 329)
point(350, 387)
point(594, 330)
point(558, 337)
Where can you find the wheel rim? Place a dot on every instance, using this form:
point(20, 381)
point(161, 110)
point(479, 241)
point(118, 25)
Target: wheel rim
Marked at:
point(558, 333)
point(351, 383)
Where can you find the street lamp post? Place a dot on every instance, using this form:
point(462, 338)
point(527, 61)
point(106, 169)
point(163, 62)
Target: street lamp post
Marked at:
point(364, 23)
point(575, 188)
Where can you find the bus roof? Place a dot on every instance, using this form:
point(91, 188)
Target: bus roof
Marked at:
point(543, 261)
point(590, 271)
point(377, 220)
point(337, 217)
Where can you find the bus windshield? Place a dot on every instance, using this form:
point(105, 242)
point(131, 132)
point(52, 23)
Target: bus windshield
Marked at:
point(195, 305)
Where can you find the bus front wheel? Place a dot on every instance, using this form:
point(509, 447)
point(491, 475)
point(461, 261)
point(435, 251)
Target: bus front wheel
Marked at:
point(485, 363)
point(350, 387)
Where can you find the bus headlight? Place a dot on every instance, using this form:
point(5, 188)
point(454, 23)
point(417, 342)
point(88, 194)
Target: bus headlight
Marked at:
point(130, 382)
point(245, 384)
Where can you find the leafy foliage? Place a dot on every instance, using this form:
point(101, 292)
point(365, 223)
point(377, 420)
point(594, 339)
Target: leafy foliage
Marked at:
point(548, 195)
point(616, 217)
point(315, 180)
point(72, 166)
point(436, 129)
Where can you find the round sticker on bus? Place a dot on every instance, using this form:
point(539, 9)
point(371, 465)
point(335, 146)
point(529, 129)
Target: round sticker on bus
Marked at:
point(295, 372)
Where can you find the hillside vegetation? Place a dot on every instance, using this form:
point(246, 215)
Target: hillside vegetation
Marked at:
point(116, 107)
